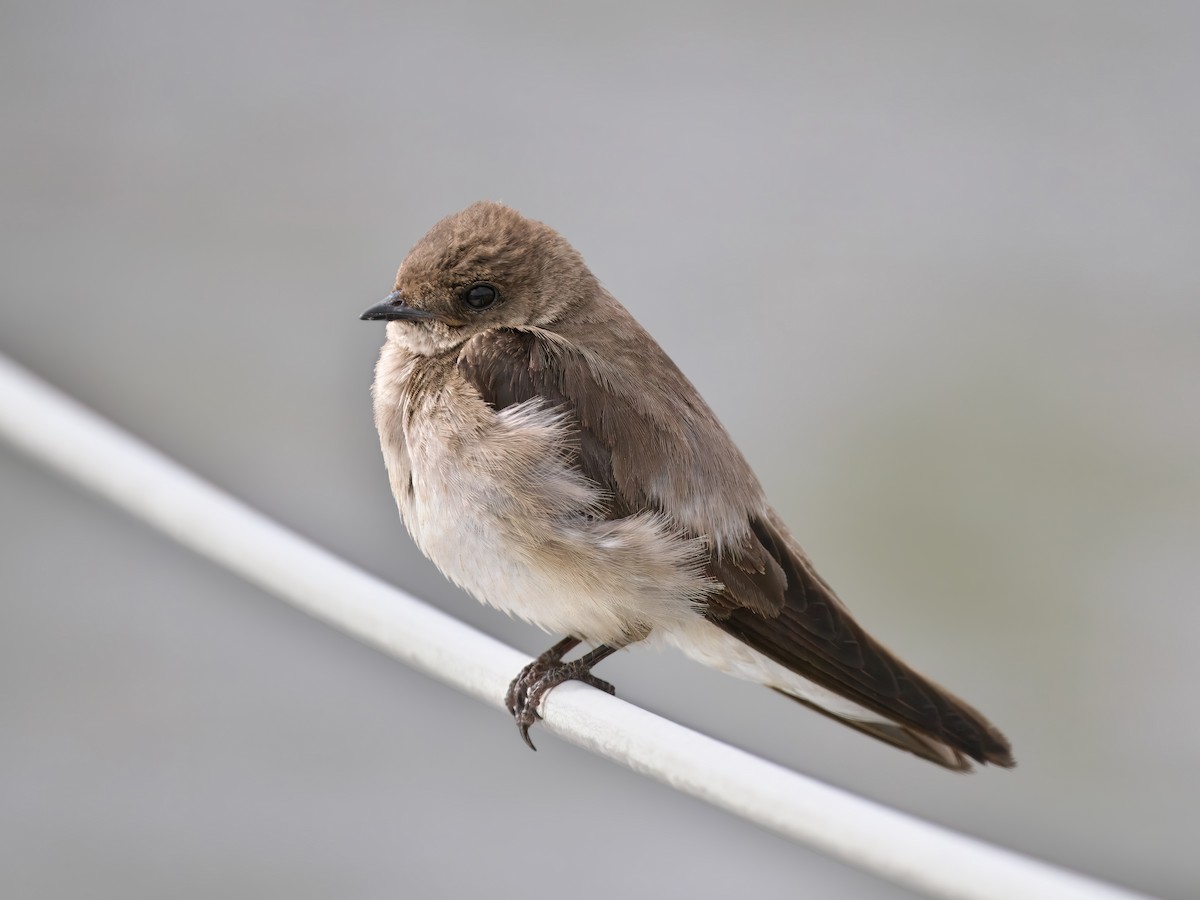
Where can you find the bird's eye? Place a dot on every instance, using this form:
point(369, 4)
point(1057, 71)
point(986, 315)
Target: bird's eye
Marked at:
point(480, 296)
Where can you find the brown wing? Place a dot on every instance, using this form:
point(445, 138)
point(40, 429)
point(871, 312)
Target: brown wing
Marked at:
point(773, 601)
point(814, 636)
point(510, 366)
point(644, 434)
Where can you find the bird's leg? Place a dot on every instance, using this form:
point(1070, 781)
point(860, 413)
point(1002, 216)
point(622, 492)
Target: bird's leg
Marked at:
point(549, 671)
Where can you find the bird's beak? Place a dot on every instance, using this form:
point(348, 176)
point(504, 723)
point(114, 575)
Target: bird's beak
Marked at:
point(393, 307)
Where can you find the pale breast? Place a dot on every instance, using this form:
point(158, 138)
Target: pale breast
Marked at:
point(495, 502)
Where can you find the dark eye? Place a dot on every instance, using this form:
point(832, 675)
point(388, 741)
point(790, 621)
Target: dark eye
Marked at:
point(480, 296)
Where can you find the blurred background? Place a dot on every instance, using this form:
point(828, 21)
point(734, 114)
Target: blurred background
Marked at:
point(956, 245)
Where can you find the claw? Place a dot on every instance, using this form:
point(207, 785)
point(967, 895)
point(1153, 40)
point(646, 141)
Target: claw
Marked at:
point(526, 691)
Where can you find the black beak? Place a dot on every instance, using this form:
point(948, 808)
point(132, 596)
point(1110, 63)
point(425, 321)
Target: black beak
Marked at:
point(393, 307)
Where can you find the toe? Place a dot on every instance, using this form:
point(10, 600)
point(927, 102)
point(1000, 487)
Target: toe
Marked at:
point(523, 727)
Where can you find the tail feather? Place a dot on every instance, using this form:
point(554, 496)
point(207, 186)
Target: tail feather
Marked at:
point(810, 633)
point(898, 736)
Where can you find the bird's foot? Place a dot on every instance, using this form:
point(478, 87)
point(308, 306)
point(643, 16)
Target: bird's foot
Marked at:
point(548, 671)
point(514, 698)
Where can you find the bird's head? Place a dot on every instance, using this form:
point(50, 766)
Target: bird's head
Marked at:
point(483, 268)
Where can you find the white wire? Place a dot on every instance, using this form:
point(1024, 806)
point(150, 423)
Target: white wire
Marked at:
point(60, 433)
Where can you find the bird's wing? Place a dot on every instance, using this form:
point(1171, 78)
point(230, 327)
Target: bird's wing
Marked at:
point(815, 636)
point(649, 444)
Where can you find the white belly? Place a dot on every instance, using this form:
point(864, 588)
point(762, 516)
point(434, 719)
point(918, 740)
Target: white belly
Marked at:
point(503, 514)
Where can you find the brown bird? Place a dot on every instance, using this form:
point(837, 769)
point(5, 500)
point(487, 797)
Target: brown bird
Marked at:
point(549, 458)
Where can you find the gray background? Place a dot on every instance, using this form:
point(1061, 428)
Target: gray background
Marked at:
point(935, 265)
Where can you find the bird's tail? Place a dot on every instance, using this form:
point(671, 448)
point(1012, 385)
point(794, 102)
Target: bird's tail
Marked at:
point(899, 736)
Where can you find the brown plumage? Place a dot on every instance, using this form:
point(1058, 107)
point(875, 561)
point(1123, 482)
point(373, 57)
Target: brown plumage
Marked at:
point(549, 457)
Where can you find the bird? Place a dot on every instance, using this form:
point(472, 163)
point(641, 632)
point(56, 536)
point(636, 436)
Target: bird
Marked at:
point(550, 459)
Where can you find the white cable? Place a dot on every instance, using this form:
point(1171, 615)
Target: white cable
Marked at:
point(60, 433)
